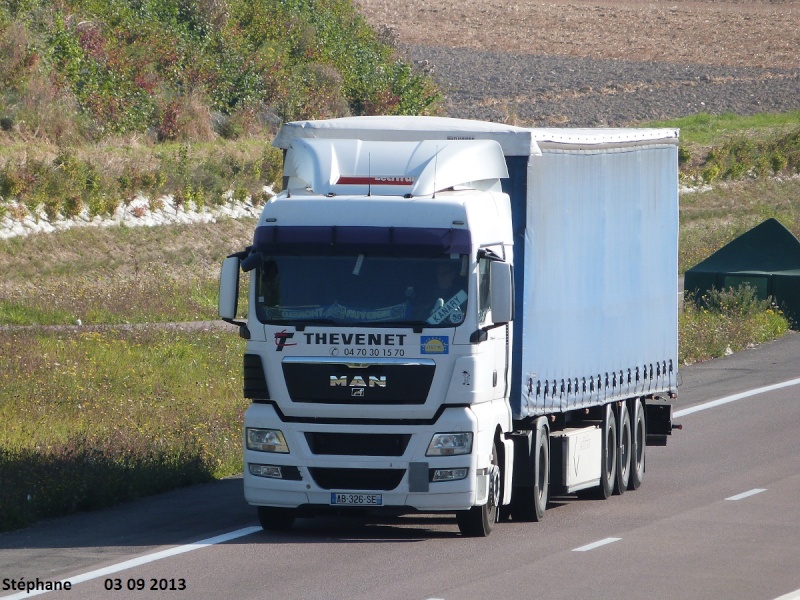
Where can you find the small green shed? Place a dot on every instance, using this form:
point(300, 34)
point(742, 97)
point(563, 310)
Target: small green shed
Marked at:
point(767, 258)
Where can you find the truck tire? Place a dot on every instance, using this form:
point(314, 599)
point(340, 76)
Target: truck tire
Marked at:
point(529, 503)
point(479, 521)
point(638, 444)
point(541, 474)
point(623, 450)
point(273, 518)
point(608, 466)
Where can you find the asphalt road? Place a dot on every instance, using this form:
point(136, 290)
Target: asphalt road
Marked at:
point(717, 517)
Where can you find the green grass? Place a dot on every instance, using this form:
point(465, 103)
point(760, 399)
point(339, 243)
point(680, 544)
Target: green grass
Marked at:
point(117, 275)
point(89, 418)
point(706, 129)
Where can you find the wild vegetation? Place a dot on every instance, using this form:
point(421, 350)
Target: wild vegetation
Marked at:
point(103, 100)
point(726, 321)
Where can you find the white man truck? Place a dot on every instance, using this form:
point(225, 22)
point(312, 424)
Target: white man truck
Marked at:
point(451, 316)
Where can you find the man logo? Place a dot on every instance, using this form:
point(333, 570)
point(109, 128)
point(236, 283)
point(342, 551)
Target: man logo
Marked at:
point(358, 381)
point(357, 392)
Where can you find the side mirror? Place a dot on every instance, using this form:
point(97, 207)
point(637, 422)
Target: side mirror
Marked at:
point(502, 292)
point(229, 289)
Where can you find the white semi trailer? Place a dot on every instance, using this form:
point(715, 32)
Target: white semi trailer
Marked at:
point(451, 316)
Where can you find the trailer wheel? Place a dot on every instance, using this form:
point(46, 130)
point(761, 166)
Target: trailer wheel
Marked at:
point(529, 503)
point(541, 473)
point(479, 521)
point(608, 467)
point(638, 445)
point(273, 518)
point(624, 450)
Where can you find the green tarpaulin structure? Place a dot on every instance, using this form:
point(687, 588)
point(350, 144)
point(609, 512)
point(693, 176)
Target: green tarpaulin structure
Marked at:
point(767, 258)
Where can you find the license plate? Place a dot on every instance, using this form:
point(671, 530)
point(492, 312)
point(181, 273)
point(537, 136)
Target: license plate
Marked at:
point(356, 499)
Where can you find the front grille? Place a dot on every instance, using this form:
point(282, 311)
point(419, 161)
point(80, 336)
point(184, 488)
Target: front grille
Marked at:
point(374, 383)
point(358, 444)
point(357, 479)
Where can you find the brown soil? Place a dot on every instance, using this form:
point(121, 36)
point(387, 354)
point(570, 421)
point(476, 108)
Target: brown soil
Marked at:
point(739, 33)
point(595, 63)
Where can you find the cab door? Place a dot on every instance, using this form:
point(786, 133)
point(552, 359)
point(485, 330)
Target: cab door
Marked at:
point(497, 338)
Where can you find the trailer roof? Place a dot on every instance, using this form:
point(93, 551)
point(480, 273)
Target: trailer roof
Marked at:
point(515, 141)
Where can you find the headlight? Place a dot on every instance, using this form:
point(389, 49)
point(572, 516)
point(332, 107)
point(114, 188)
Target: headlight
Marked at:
point(450, 444)
point(266, 440)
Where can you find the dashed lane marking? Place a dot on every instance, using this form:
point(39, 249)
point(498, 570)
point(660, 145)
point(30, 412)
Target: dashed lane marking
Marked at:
point(597, 544)
point(727, 399)
point(747, 494)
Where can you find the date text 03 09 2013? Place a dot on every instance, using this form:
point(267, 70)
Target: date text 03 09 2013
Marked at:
point(150, 585)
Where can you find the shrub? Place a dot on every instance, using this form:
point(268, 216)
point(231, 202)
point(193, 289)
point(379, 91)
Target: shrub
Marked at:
point(725, 321)
point(165, 66)
point(740, 157)
point(684, 155)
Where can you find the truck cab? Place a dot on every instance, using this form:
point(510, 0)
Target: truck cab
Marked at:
point(378, 332)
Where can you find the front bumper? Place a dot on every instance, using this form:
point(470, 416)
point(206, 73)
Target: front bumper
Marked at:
point(309, 475)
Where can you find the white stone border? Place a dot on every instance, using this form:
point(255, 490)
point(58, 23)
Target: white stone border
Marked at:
point(137, 213)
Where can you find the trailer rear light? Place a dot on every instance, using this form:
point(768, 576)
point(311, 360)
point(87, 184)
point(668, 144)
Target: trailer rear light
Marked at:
point(449, 474)
point(266, 440)
point(450, 444)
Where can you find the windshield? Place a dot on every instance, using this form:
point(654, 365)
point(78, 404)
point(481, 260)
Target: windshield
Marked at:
point(358, 289)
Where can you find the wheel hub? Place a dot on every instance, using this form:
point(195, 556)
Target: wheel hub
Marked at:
point(494, 486)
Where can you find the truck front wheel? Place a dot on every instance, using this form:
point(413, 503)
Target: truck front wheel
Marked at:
point(273, 518)
point(479, 521)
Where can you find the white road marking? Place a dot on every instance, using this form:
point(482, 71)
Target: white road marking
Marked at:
point(143, 560)
point(148, 558)
point(752, 492)
point(594, 545)
point(734, 398)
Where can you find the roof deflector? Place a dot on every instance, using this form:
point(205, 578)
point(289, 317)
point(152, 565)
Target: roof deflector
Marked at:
point(357, 167)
